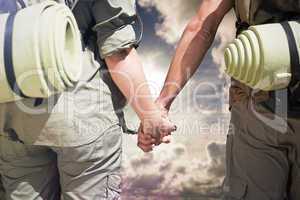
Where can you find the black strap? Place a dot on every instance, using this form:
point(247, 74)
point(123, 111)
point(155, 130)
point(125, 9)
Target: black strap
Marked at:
point(38, 102)
point(129, 131)
point(295, 60)
point(13, 135)
point(139, 25)
point(241, 26)
point(294, 89)
point(22, 4)
point(8, 57)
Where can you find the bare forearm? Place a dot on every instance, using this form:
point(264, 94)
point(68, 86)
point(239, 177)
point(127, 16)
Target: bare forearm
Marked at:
point(188, 56)
point(195, 42)
point(127, 72)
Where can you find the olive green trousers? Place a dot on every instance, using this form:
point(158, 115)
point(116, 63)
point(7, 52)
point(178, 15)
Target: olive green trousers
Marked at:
point(263, 154)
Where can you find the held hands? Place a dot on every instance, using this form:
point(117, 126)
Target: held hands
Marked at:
point(155, 130)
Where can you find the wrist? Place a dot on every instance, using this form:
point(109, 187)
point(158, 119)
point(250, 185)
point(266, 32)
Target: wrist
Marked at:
point(151, 115)
point(164, 102)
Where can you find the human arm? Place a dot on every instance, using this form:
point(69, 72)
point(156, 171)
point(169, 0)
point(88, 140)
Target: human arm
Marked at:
point(197, 38)
point(116, 39)
point(127, 72)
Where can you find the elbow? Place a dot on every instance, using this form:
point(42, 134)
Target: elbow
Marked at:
point(201, 29)
point(205, 23)
point(194, 24)
point(124, 57)
point(118, 56)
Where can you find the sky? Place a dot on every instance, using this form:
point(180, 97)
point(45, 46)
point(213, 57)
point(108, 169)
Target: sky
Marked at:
point(193, 165)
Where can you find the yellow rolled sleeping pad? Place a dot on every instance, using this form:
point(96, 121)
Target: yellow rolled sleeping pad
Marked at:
point(260, 57)
point(40, 52)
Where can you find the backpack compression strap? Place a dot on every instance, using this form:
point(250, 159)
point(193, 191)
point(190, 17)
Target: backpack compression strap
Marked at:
point(295, 60)
point(12, 8)
point(294, 88)
point(8, 57)
point(8, 54)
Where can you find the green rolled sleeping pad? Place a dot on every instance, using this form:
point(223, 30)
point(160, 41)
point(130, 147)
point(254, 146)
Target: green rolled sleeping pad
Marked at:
point(40, 52)
point(260, 56)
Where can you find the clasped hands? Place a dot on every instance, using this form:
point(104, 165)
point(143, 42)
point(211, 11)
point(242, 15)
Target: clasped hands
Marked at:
point(155, 129)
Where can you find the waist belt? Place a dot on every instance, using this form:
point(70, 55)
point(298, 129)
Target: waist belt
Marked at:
point(278, 102)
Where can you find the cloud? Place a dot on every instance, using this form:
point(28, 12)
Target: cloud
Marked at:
point(225, 34)
point(175, 14)
point(169, 173)
point(181, 170)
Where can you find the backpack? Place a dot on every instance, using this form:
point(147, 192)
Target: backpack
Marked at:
point(45, 86)
point(12, 6)
point(255, 12)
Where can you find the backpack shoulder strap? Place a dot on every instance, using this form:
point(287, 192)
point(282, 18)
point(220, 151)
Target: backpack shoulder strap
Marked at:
point(22, 3)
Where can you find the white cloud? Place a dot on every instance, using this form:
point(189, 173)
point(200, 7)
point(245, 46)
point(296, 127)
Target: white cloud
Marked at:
point(174, 15)
point(225, 34)
point(166, 173)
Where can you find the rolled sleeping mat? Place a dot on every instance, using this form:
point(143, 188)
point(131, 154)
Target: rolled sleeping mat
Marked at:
point(40, 52)
point(261, 56)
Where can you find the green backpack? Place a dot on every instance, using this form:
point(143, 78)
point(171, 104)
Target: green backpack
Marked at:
point(254, 12)
point(258, 12)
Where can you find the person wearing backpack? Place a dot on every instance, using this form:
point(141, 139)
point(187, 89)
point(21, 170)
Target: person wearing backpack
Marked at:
point(70, 144)
point(263, 160)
